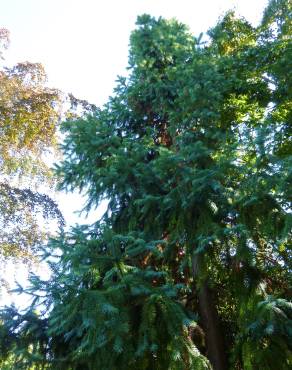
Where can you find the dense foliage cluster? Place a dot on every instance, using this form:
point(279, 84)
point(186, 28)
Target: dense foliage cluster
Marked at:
point(189, 267)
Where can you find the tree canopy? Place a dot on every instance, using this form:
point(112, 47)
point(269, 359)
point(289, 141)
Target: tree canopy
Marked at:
point(190, 267)
point(29, 116)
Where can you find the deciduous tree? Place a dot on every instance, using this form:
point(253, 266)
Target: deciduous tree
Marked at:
point(29, 116)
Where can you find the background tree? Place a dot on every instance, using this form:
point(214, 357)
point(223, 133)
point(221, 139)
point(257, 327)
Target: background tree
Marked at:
point(29, 116)
point(190, 262)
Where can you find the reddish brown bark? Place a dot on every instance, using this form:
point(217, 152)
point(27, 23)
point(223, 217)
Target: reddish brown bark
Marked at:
point(210, 323)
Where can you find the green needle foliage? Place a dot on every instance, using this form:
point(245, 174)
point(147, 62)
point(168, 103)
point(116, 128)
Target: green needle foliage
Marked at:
point(189, 268)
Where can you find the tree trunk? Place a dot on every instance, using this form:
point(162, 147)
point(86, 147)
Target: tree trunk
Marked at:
point(210, 322)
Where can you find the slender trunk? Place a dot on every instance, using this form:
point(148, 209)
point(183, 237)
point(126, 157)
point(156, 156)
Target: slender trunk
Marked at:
point(210, 322)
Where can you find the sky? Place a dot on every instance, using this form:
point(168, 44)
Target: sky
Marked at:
point(83, 45)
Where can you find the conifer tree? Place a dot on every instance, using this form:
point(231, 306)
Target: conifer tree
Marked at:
point(189, 267)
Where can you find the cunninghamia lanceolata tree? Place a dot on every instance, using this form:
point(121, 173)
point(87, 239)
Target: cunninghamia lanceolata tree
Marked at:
point(189, 268)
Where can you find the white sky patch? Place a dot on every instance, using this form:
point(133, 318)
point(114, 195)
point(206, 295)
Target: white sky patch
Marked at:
point(83, 45)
